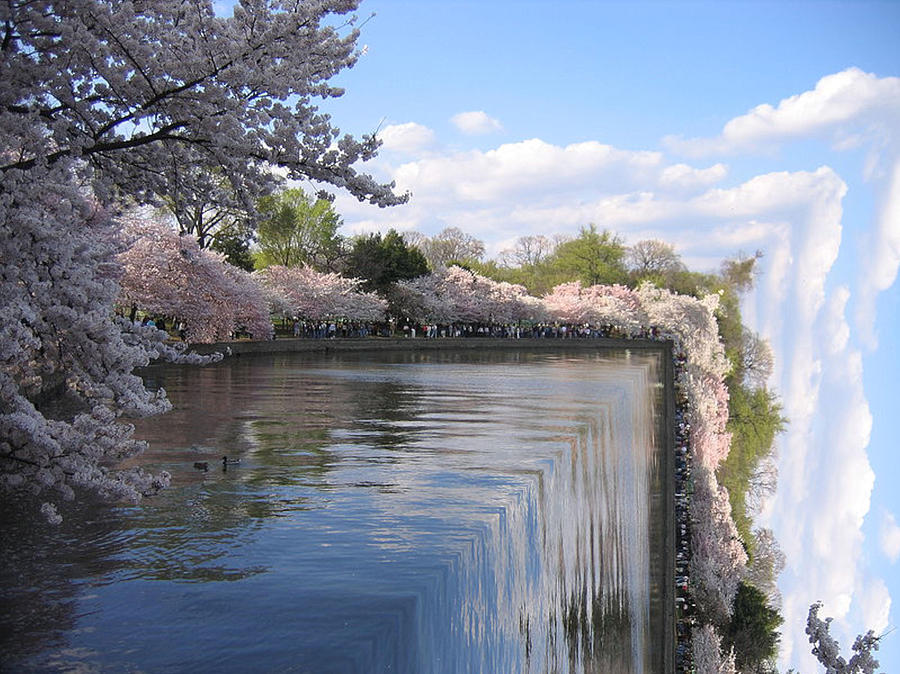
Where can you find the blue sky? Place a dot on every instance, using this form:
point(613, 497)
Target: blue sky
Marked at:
point(719, 127)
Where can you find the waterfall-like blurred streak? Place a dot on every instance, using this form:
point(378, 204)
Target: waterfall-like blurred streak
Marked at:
point(439, 513)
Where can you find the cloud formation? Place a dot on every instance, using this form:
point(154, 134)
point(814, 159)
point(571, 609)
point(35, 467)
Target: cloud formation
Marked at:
point(882, 256)
point(890, 537)
point(523, 167)
point(407, 138)
point(826, 480)
point(843, 106)
point(799, 304)
point(476, 123)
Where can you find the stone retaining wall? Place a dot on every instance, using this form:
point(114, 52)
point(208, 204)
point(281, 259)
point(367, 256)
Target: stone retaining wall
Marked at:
point(293, 344)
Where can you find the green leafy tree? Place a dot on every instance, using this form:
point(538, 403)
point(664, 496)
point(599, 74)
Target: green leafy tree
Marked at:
point(381, 261)
point(294, 230)
point(752, 631)
point(592, 258)
point(234, 243)
point(740, 272)
point(754, 419)
point(538, 278)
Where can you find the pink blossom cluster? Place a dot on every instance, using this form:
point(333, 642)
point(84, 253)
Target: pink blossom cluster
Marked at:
point(303, 292)
point(828, 652)
point(67, 377)
point(718, 559)
point(708, 657)
point(168, 274)
point(614, 306)
point(457, 295)
point(219, 101)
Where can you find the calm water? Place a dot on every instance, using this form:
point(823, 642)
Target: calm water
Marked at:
point(391, 513)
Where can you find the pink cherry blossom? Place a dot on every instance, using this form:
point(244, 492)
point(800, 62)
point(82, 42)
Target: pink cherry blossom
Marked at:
point(827, 650)
point(306, 293)
point(708, 656)
point(457, 295)
point(169, 274)
point(107, 105)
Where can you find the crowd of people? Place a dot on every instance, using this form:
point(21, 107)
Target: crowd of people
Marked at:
point(332, 329)
point(685, 609)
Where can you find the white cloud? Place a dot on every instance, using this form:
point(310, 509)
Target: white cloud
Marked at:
point(535, 187)
point(826, 481)
point(849, 97)
point(516, 174)
point(851, 110)
point(874, 605)
point(684, 176)
point(527, 168)
point(408, 138)
point(881, 257)
point(837, 331)
point(890, 537)
point(476, 123)
point(824, 492)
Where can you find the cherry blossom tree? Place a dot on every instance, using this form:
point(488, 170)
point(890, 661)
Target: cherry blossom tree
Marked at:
point(306, 293)
point(512, 303)
point(209, 212)
point(169, 274)
point(453, 294)
point(718, 559)
point(67, 380)
point(828, 651)
point(598, 305)
point(708, 656)
point(136, 91)
point(102, 105)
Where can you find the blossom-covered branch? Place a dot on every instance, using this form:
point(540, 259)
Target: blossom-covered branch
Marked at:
point(828, 652)
point(168, 274)
point(105, 105)
point(140, 90)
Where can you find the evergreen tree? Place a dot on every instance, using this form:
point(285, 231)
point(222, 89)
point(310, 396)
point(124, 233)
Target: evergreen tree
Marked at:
point(752, 631)
point(382, 261)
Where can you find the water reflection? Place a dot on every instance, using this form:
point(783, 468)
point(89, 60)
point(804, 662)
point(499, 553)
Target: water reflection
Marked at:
point(415, 513)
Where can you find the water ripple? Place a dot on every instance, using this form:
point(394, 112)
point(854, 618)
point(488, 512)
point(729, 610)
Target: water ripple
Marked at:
point(447, 514)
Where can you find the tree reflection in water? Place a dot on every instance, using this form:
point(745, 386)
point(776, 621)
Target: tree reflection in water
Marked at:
point(418, 512)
